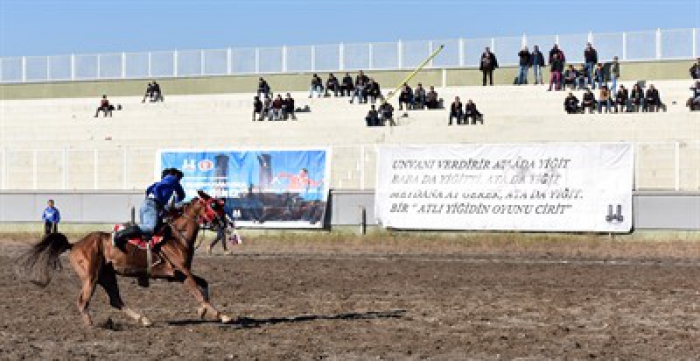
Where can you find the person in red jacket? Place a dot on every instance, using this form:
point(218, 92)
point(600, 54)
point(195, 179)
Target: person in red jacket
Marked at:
point(557, 67)
point(104, 107)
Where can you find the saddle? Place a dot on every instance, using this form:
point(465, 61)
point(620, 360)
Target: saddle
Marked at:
point(132, 235)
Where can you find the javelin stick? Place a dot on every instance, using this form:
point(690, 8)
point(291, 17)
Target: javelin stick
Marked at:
point(413, 73)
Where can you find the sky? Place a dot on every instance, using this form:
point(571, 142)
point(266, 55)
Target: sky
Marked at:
point(55, 27)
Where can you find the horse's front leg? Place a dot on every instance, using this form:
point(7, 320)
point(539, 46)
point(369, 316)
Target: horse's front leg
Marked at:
point(200, 290)
point(176, 259)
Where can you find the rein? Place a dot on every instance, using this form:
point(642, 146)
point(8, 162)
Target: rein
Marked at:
point(179, 232)
point(197, 218)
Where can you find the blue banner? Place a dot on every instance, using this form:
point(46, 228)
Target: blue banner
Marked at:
point(262, 188)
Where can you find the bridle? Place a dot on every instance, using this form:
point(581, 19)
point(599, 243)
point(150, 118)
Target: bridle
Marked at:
point(210, 214)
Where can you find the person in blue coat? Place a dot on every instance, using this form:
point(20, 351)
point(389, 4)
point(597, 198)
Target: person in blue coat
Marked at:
point(159, 197)
point(51, 218)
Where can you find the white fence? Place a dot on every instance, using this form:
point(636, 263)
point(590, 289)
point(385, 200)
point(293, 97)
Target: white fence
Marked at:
point(658, 166)
point(629, 46)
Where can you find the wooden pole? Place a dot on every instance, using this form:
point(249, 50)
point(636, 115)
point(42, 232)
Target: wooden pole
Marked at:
point(413, 73)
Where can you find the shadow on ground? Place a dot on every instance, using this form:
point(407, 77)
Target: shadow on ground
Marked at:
point(247, 322)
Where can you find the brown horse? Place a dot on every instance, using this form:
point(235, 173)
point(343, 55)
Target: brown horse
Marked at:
point(97, 261)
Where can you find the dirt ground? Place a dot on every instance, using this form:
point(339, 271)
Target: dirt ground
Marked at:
point(395, 298)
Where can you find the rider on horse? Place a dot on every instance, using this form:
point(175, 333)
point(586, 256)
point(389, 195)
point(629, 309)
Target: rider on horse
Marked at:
point(162, 195)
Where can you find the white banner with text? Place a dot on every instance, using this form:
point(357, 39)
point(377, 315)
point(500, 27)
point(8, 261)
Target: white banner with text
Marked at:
point(578, 187)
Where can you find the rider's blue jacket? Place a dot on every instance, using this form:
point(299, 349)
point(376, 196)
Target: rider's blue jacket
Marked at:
point(164, 190)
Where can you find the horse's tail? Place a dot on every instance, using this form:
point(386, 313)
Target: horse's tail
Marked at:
point(37, 263)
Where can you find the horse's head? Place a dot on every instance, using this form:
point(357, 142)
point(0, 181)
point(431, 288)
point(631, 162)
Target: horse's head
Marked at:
point(202, 210)
point(207, 208)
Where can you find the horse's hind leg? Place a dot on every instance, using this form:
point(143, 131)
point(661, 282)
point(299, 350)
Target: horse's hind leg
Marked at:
point(84, 300)
point(108, 281)
point(87, 269)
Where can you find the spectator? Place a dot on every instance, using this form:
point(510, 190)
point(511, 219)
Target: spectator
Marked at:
point(316, 86)
point(220, 226)
point(599, 76)
point(347, 87)
point(537, 61)
point(588, 102)
point(694, 102)
point(571, 104)
point(333, 85)
point(614, 74)
point(470, 111)
point(257, 108)
point(652, 100)
point(487, 65)
point(556, 50)
point(556, 66)
point(372, 117)
point(373, 91)
point(277, 108)
point(456, 111)
point(267, 109)
point(695, 70)
point(406, 97)
point(288, 108)
point(158, 94)
point(591, 58)
point(419, 97)
point(104, 107)
point(581, 77)
point(153, 93)
point(149, 93)
point(51, 218)
point(525, 59)
point(622, 100)
point(604, 99)
point(431, 99)
point(386, 111)
point(637, 98)
point(570, 77)
point(263, 88)
point(361, 81)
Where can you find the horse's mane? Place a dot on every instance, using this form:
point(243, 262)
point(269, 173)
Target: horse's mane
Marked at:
point(185, 208)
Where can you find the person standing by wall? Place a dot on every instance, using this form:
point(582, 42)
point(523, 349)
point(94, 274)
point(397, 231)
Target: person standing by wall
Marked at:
point(537, 60)
point(614, 74)
point(524, 65)
point(591, 58)
point(557, 66)
point(487, 65)
point(51, 218)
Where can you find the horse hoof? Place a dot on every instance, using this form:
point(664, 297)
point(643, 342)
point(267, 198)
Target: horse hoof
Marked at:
point(202, 312)
point(226, 319)
point(146, 322)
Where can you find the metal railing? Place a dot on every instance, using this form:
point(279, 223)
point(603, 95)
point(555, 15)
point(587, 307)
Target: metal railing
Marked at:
point(660, 44)
point(658, 166)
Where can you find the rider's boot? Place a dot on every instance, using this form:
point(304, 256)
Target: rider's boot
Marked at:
point(122, 236)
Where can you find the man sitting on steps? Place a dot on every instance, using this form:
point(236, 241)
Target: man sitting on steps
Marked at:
point(105, 107)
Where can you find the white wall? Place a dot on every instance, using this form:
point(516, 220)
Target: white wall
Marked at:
point(652, 210)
